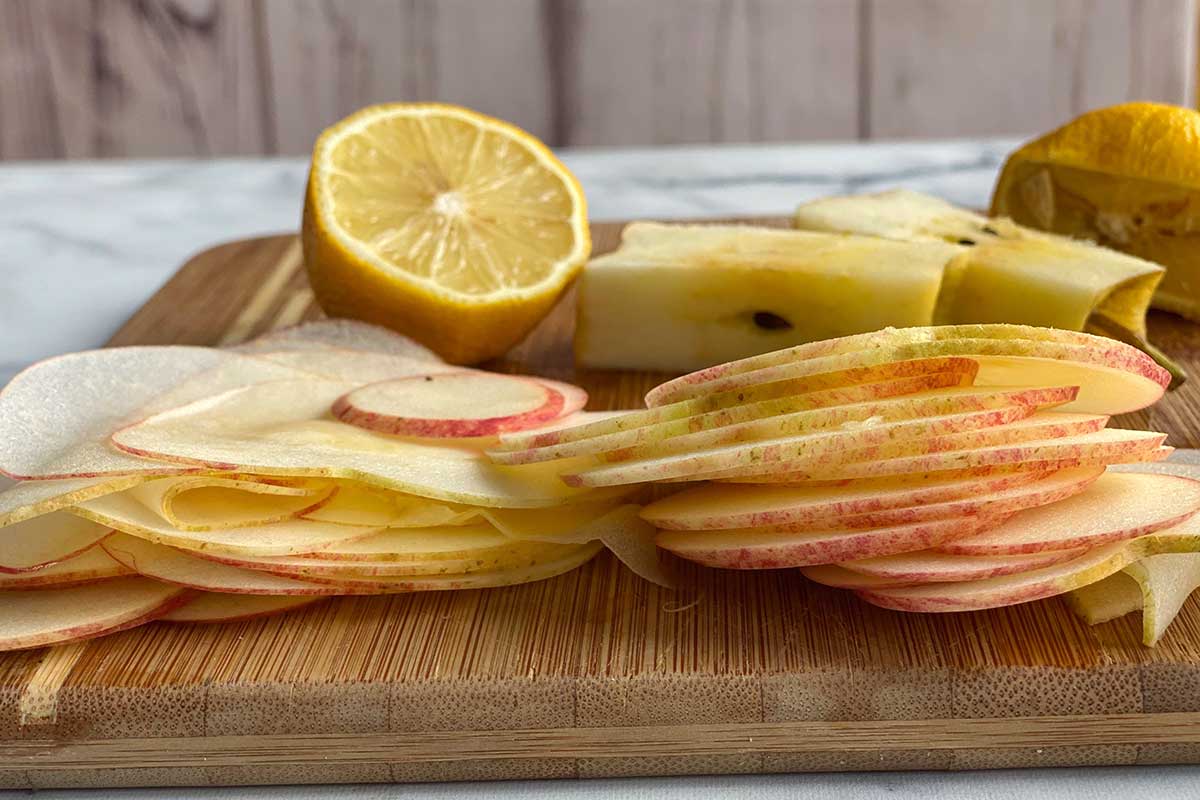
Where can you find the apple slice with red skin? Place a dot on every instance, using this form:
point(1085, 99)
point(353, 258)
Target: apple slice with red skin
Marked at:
point(822, 389)
point(1039, 426)
point(931, 566)
point(1114, 377)
point(89, 566)
point(468, 403)
point(751, 455)
point(39, 618)
point(1023, 587)
point(753, 548)
point(36, 543)
point(1118, 506)
point(212, 607)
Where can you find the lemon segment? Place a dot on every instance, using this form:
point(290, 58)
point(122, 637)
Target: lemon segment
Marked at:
point(454, 228)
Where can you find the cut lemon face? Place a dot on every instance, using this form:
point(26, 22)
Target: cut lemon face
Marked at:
point(1127, 177)
point(454, 228)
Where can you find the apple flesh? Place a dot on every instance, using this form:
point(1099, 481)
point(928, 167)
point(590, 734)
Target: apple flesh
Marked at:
point(338, 334)
point(931, 566)
point(37, 543)
point(754, 548)
point(91, 565)
point(40, 618)
point(1117, 506)
point(210, 607)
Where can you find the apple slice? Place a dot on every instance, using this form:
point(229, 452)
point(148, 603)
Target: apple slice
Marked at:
point(402, 545)
point(34, 544)
point(841, 578)
point(750, 456)
point(216, 503)
point(282, 428)
point(1023, 587)
point(1041, 426)
point(338, 334)
point(930, 566)
point(1158, 586)
point(754, 548)
point(209, 607)
point(91, 565)
point(1113, 377)
point(1108, 599)
point(366, 506)
point(1108, 446)
point(22, 500)
point(716, 506)
point(171, 565)
point(124, 513)
point(1118, 506)
point(40, 618)
point(453, 405)
point(905, 398)
point(824, 389)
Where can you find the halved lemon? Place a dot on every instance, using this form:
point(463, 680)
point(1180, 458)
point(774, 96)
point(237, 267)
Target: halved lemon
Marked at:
point(1127, 177)
point(454, 228)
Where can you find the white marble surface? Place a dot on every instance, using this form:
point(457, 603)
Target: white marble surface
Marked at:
point(84, 244)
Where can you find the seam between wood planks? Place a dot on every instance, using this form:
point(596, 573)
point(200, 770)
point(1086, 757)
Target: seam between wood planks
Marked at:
point(263, 299)
point(629, 742)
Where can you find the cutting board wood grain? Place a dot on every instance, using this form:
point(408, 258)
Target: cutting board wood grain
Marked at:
point(594, 673)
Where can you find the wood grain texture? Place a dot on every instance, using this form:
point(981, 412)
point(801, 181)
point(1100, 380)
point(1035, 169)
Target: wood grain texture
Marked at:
point(95, 78)
point(974, 67)
point(595, 673)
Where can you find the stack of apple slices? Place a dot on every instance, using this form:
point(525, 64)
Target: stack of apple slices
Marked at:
point(927, 469)
point(193, 484)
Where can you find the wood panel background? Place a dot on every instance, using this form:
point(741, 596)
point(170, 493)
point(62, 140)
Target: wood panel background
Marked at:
point(114, 78)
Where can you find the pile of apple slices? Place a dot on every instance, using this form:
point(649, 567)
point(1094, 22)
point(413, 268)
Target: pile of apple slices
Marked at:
point(927, 469)
point(198, 485)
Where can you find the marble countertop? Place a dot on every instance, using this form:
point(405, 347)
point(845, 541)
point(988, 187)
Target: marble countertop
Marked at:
point(84, 244)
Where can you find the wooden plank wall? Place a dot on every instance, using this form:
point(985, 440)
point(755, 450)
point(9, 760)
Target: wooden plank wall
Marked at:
point(100, 78)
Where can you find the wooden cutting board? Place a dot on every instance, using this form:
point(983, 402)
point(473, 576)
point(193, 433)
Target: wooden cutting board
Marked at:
point(595, 673)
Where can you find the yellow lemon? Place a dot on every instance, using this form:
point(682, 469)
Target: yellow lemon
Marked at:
point(1127, 177)
point(447, 225)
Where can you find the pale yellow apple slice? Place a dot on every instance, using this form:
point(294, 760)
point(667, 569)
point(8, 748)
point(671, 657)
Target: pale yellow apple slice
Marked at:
point(403, 545)
point(823, 389)
point(904, 398)
point(359, 504)
point(98, 391)
point(754, 548)
point(1113, 377)
point(40, 618)
point(211, 607)
point(353, 366)
point(41, 541)
point(338, 334)
point(1117, 506)
point(457, 404)
point(1166, 582)
point(172, 565)
point(1023, 587)
point(282, 428)
point(91, 565)
point(1108, 446)
point(216, 503)
point(1108, 599)
point(123, 513)
point(752, 456)
point(930, 566)
point(22, 500)
point(1039, 427)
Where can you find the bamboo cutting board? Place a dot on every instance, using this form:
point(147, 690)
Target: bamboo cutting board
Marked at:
point(594, 673)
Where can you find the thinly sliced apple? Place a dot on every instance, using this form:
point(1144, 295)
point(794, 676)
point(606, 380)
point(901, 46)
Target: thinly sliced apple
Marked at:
point(1028, 350)
point(171, 565)
point(39, 542)
point(1097, 564)
point(22, 500)
point(209, 607)
point(456, 404)
point(754, 548)
point(1039, 427)
point(123, 513)
point(906, 398)
point(1108, 446)
point(1108, 599)
point(216, 503)
point(402, 545)
point(715, 506)
point(280, 428)
point(841, 578)
point(1166, 582)
point(98, 391)
point(40, 618)
point(751, 456)
point(829, 389)
point(930, 566)
point(359, 504)
point(352, 366)
point(1116, 507)
point(338, 334)
point(91, 565)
